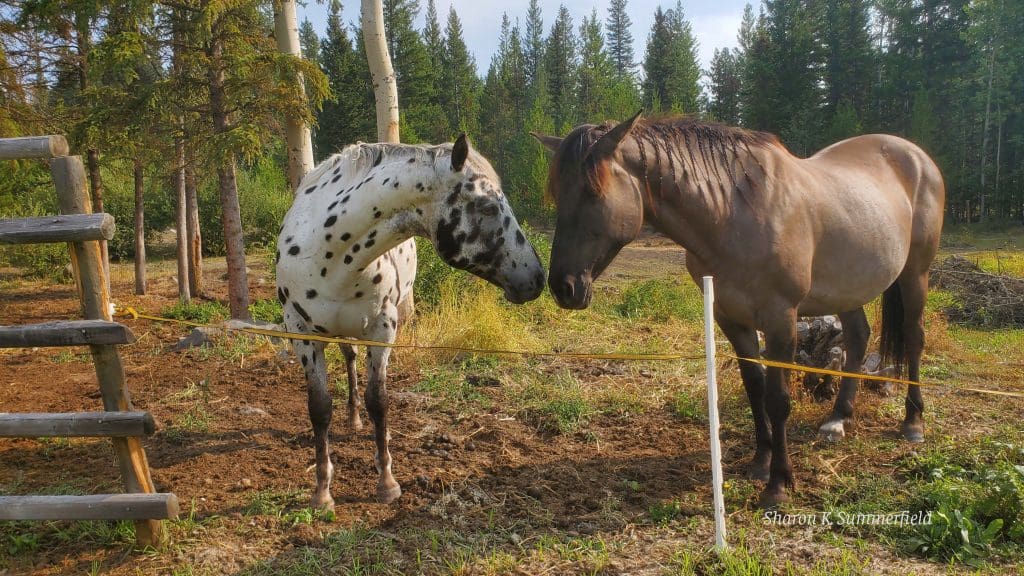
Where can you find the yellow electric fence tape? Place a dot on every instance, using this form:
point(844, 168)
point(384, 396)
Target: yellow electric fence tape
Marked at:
point(135, 314)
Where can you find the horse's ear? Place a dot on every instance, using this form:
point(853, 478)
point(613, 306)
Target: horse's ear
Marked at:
point(612, 138)
point(460, 151)
point(550, 142)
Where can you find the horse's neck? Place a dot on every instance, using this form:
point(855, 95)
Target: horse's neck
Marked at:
point(687, 192)
point(395, 206)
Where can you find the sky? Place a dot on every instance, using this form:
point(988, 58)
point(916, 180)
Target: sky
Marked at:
point(715, 22)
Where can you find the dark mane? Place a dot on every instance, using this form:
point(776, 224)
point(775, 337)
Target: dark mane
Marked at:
point(704, 151)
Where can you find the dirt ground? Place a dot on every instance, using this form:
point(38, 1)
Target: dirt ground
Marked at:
point(456, 469)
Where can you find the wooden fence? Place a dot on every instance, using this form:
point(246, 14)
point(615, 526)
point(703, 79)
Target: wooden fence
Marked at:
point(83, 231)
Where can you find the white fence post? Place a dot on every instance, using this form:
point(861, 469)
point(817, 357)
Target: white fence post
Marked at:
point(716, 446)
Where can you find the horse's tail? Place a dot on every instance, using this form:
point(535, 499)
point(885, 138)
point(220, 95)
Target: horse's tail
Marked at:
point(893, 344)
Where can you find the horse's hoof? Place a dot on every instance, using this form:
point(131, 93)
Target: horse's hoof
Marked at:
point(772, 498)
point(354, 422)
point(386, 494)
point(913, 433)
point(832, 431)
point(322, 501)
point(758, 471)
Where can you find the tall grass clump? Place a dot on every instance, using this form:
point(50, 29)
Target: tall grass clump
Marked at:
point(469, 313)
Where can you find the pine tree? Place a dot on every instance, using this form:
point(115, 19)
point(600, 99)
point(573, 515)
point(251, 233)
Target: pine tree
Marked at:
point(346, 117)
point(310, 42)
point(436, 126)
point(461, 84)
point(595, 73)
point(414, 71)
point(560, 64)
point(849, 61)
point(533, 44)
point(682, 85)
point(657, 62)
point(620, 39)
point(725, 86)
point(670, 65)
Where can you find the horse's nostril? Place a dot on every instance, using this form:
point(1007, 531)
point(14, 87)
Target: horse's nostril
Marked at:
point(566, 289)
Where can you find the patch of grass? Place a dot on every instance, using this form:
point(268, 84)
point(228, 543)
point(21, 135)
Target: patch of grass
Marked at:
point(690, 407)
point(661, 299)
point(976, 498)
point(68, 356)
point(272, 502)
point(267, 310)
point(452, 387)
point(201, 311)
point(663, 513)
point(557, 405)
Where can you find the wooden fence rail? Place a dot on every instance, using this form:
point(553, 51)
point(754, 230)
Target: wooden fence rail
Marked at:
point(83, 231)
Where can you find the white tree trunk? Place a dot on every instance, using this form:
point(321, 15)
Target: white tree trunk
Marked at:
point(299, 141)
point(385, 88)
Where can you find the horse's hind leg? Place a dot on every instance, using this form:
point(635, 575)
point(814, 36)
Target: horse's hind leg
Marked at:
point(856, 332)
point(744, 342)
point(311, 354)
point(914, 292)
point(349, 354)
point(388, 489)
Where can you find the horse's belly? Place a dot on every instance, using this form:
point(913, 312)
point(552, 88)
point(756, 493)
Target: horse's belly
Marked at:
point(847, 283)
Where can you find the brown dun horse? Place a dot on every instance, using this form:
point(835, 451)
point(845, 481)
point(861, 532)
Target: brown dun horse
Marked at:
point(782, 236)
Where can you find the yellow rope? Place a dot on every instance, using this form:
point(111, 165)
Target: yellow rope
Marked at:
point(135, 314)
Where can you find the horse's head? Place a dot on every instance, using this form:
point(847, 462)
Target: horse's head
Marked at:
point(598, 204)
point(475, 228)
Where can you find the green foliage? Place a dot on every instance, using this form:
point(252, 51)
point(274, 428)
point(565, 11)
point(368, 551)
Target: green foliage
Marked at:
point(267, 310)
point(660, 300)
point(432, 273)
point(201, 311)
point(690, 407)
point(976, 499)
point(263, 197)
point(671, 82)
point(663, 513)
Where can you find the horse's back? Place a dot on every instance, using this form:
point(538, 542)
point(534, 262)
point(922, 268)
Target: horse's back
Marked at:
point(918, 177)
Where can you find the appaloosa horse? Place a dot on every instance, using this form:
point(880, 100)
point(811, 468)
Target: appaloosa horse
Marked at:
point(346, 263)
point(781, 235)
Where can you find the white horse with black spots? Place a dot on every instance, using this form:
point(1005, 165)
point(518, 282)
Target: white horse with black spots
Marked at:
point(346, 263)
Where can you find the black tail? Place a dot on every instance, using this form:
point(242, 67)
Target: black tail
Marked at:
point(893, 345)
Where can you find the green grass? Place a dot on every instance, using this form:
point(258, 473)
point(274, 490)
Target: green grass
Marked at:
point(453, 387)
point(267, 310)
point(200, 311)
point(659, 300)
point(556, 404)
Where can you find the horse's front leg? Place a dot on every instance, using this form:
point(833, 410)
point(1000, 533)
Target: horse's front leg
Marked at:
point(311, 354)
point(780, 340)
point(388, 489)
point(744, 342)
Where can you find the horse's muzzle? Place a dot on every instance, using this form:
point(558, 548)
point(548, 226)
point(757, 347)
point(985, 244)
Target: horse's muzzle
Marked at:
point(570, 292)
point(525, 291)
